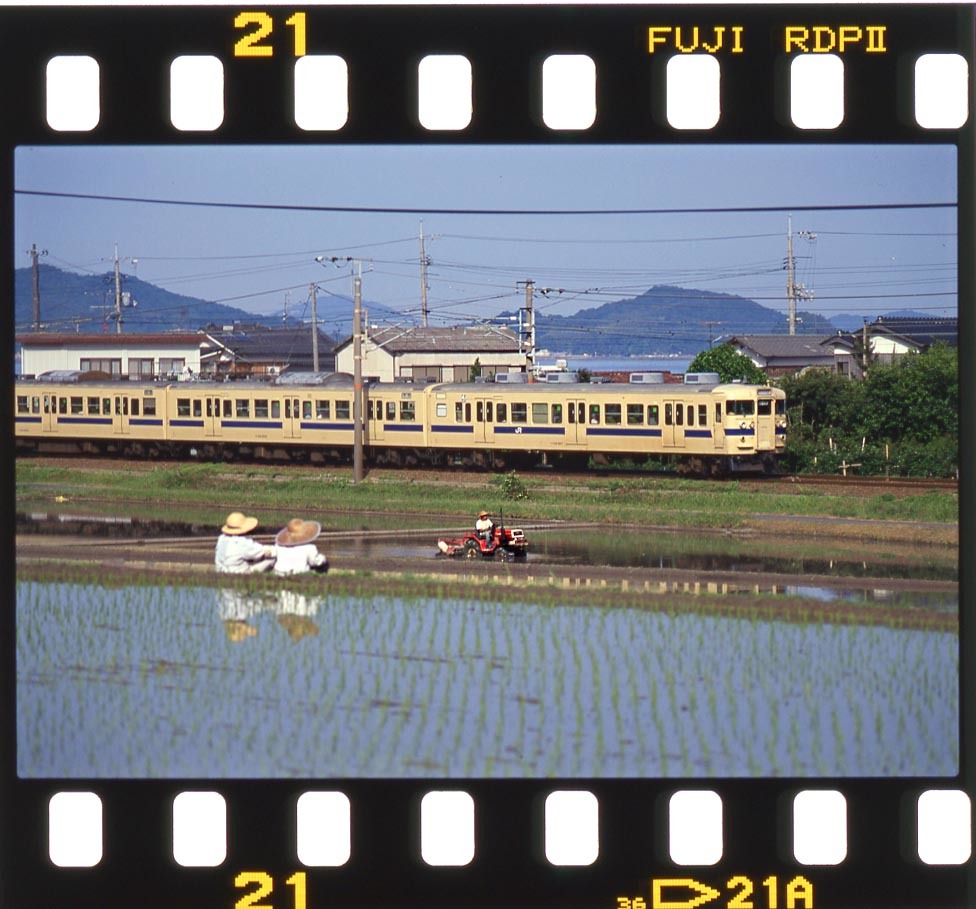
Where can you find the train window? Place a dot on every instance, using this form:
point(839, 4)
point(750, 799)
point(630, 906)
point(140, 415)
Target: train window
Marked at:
point(679, 414)
point(458, 412)
point(520, 413)
point(501, 413)
point(611, 413)
point(740, 408)
point(489, 407)
point(47, 404)
point(764, 408)
point(557, 413)
point(149, 407)
point(260, 408)
point(197, 409)
point(691, 414)
point(635, 414)
point(653, 414)
point(391, 410)
point(668, 414)
point(276, 409)
point(36, 405)
point(77, 405)
point(702, 414)
point(342, 410)
point(594, 414)
point(62, 405)
point(306, 410)
point(106, 405)
point(228, 408)
point(572, 414)
point(288, 409)
point(540, 412)
point(182, 407)
point(467, 412)
point(441, 409)
point(580, 412)
point(408, 412)
point(210, 408)
point(323, 410)
point(780, 407)
point(22, 404)
point(718, 411)
point(480, 411)
point(135, 407)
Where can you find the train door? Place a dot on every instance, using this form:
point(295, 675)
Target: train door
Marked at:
point(212, 416)
point(292, 423)
point(765, 422)
point(120, 414)
point(673, 430)
point(375, 415)
point(718, 425)
point(575, 423)
point(484, 421)
point(49, 409)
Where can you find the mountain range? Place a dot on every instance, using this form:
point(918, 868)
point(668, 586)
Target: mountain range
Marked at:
point(661, 320)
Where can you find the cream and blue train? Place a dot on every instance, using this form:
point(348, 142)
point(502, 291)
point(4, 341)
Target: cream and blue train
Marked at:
point(708, 428)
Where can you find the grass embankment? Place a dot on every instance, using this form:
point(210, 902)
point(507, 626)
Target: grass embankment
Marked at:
point(201, 490)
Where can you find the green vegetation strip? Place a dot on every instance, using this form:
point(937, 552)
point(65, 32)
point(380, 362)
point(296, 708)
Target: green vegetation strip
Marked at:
point(367, 585)
point(208, 488)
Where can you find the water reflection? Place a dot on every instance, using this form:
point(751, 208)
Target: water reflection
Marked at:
point(293, 611)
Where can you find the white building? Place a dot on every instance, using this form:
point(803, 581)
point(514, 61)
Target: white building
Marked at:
point(433, 354)
point(138, 356)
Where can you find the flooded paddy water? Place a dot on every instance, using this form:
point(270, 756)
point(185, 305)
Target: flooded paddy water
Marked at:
point(180, 680)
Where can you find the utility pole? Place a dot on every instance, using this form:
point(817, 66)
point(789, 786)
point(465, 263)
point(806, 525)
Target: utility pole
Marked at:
point(118, 294)
point(357, 376)
point(794, 291)
point(315, 330)
point(528, 334)
point(424, 262)
point(33, 253)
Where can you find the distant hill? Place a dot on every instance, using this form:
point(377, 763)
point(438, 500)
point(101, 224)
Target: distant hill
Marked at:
point(71, 301)
point(665, 320)
point(856, 323)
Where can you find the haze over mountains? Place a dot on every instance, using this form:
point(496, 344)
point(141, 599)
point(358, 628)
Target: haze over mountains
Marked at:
point(661, 320)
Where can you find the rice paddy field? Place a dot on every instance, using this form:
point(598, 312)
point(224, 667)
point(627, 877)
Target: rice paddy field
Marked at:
point(199, 681)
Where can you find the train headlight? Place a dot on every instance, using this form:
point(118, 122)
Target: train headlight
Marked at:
point(742, 425)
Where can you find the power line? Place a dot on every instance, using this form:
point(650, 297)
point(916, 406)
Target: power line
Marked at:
point(363, 209)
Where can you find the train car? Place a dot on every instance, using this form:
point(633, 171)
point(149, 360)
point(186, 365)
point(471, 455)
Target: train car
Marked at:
point(705, 428)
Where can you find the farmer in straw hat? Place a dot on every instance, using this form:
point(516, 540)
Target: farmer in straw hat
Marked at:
point(297, 553)
point(236, 552)
point(484, 526)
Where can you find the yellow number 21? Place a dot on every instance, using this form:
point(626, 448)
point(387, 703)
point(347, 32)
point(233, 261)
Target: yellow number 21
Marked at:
point(251, 44)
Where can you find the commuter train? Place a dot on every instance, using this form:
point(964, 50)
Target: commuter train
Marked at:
point(707, 429)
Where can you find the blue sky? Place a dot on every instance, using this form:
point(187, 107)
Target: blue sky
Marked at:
point(861, 262)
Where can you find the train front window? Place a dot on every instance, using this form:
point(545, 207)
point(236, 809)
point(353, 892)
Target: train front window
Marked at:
point(764, 408)
point(740, 408)
point(781, 407)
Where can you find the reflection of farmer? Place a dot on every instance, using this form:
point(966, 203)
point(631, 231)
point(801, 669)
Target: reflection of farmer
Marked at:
point(294, 611)
point(296, 551)
point(484, 526)
point(236, 552)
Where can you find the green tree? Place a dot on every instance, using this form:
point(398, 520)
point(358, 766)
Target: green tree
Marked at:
point(475, 370)
point(730, 365)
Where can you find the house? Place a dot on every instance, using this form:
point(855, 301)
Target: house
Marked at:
point(887, 339)
point(137, 356)
point(248, 350)
point(434, 354)
point(783, 355)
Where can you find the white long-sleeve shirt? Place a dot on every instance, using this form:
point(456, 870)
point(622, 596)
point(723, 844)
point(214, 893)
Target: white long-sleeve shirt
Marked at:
point(298, 559)
point(238, 554)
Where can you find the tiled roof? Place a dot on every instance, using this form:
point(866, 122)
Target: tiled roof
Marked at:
point(783, 346)
point(260, 343)
point(109, 339)
point(921, 332)
point(455, 339)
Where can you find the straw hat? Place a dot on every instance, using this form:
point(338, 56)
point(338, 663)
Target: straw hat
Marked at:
point(484, 514)
point(237, 523)
point(296, 532)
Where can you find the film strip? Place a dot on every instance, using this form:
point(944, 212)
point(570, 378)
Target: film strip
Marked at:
point(532, 82)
